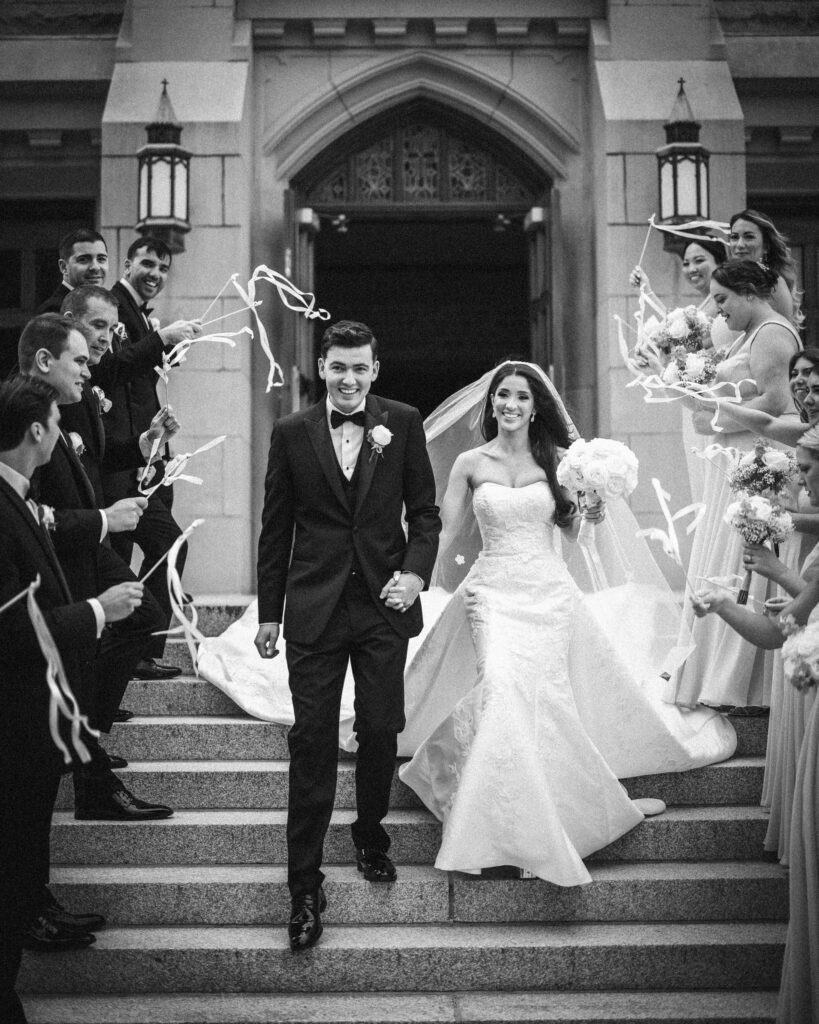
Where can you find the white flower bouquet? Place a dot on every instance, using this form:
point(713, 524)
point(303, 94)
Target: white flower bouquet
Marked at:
point(602, 466)
point(801, 654)
point(759, 521)
point(685, 327)
point(687, 368)
point(765, 471)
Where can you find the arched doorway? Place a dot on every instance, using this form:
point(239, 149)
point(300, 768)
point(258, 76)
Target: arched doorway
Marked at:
point(434, 231)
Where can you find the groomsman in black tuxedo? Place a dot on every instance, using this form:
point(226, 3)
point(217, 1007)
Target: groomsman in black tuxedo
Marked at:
point(30, 764)
point(94, 311)
point(83, 260)
point(336, 565)
point(130, 383)
point(51, 348)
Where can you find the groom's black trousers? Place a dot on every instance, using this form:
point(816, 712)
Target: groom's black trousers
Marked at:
point(356, 632)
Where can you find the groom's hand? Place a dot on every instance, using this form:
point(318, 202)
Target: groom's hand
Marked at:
point(401, 590)
point(266, 639)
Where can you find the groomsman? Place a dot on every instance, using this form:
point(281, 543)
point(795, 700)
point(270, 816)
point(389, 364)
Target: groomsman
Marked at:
point(83, 260)
point(51, 348)
point(135, 403)
point(94, 310)
point(29, 761)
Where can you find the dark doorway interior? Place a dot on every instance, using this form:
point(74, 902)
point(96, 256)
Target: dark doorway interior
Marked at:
point(446, 298)
point(30, 232)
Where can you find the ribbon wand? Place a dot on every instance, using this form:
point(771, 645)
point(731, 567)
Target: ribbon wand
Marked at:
point(14, 600)
point(184, 536)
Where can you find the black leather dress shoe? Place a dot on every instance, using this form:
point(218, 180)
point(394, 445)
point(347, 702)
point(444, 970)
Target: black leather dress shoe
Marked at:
point(119, 805)
point(150, 668)
point(46, 936)
point(375, 865)
point(304, 928)
point(116, 762)
point(60, 915)
point(123, 715)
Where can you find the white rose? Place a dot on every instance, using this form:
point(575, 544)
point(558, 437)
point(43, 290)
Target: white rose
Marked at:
point(380, 435)
point(677, 329)
point(748, 460)
point(596, 475)
point(776, 460)
point(694, 364)
point(675, 315)
point(671, 374)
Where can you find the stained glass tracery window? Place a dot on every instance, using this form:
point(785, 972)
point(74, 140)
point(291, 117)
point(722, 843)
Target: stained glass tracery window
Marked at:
point(421, 163)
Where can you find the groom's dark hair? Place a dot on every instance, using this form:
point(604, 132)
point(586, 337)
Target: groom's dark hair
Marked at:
point(348, 334)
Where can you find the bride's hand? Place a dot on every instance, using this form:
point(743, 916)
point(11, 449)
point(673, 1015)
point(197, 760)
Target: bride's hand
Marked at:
point(595, 512)
point(708, 600)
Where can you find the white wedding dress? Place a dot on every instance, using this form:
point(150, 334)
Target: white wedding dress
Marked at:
point(528, 700)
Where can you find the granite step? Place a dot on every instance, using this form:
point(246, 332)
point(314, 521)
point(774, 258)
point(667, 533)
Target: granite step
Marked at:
point(246, 784)
point(237, 736)
point(754, 1007)
point(257, 894)
point(185, 695)
point(420, 958)
point(258, 837)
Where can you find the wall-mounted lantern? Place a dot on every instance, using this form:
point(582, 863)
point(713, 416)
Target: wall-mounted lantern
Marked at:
point(164, 173)
point(683, 166)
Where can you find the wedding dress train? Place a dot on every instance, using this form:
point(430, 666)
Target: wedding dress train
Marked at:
point(528, 700)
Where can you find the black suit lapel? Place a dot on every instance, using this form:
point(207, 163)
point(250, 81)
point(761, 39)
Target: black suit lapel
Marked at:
point(84, 485)
point(92, 411)
point(368, 458)
point(41, 535)
point(319, 434)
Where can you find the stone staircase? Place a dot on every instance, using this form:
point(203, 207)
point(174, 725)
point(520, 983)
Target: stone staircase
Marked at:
point(684, 922)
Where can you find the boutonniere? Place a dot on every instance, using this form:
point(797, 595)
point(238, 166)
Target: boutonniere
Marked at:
point(103, 402)
point(45, 513)
point(121, 331)
point(153, 321)
point(379, 437)
point(77, 443)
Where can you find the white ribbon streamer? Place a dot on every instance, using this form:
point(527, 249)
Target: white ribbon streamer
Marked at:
point(175, 468)
point(302, 302)
point(668, 538)
point(184, 612)
point(61, 696)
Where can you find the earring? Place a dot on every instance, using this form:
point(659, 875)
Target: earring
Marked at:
point(532, 418)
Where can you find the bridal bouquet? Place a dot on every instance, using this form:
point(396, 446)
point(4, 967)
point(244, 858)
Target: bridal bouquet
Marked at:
point(801, 654)
point(685, 327)
point(758, 520)
point(686, 367)
point(601, 466)
point(764, 471)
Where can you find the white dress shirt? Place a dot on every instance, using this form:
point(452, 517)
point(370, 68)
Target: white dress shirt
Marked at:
point(347, 439)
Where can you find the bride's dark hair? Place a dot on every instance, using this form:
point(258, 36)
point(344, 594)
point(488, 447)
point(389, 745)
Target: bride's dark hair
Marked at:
point(547, 431)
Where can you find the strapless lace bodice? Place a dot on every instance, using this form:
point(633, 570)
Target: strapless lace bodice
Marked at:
point(515, 521)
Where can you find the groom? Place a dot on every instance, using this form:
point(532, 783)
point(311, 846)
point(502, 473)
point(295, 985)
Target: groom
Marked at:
point(341, 476)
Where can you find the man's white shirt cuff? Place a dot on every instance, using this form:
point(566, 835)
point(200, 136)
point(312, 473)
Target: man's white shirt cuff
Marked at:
point(99, 615)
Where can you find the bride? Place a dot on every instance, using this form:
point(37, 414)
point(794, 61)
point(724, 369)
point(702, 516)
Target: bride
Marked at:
point(518, 736)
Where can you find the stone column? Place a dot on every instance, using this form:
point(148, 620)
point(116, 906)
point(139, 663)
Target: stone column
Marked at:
point(206, 57)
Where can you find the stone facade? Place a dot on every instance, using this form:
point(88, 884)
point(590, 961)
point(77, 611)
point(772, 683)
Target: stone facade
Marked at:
point(574, 93)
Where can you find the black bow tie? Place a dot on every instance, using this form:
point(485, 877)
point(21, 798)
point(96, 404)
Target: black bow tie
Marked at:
point(145, 309)
point(337, 418)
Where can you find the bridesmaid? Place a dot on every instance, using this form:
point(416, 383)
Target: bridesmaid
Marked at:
point(754, 237)
point(723, 670)
point(799, 989)
point(699, 260)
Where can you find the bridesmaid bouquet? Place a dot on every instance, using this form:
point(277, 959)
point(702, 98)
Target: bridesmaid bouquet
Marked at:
point(758, 520)
point(603, 467)
point(685, 327)
point(801, 653)
point(764, 471)
point(691, 368)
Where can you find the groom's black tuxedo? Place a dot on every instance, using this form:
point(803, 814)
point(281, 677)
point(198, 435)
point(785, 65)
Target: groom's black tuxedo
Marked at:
point(327, 548)
point(310, 509)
